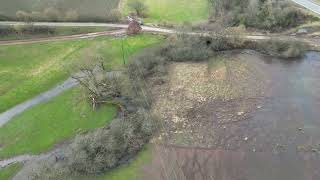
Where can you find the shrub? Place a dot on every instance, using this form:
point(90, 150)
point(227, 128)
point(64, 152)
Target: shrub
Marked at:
point(138, 7)
point(281, 49)
point(187, 48)
point(105, 148)
point(146, 63)
point(96, 152)
point(261, 14)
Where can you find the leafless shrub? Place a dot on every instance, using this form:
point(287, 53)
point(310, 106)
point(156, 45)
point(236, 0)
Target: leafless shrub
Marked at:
point(281, 49)
point(138, 7)
point(101, 86)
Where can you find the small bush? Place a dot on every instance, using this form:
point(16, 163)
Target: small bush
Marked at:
point(187, 48)
point(138, 7)
point(146, 64)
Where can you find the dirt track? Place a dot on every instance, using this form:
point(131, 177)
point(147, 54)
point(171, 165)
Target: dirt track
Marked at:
point(63, 38)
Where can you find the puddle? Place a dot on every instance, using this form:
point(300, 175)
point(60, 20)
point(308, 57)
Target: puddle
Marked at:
point(253, 118)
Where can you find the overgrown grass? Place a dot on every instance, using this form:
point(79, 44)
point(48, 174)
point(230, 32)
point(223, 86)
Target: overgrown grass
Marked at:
point(47, 124)
point(8, 172)
point(14, 33)
point(27, 70)
point(177, 11)
point(131, 171)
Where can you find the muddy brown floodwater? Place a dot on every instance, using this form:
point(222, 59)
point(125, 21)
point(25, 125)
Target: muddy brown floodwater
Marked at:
point(240, 116)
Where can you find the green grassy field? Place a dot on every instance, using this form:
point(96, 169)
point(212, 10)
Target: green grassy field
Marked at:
point(27, 70)
point(40, 128)
point(130, 171)
point(177, 11)
point(8, 172)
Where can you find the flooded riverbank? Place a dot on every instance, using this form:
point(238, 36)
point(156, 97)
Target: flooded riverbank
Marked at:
point(243, 117)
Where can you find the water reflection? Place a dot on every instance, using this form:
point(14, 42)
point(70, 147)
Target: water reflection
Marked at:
point(207, 164)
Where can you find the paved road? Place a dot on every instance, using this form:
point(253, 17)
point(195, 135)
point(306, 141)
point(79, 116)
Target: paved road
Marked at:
point(309, 5)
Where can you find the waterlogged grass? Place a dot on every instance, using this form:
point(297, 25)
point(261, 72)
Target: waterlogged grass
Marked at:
point(41, 127)
point(27, 70)
point(130, 171)
point(8, 172)
point(175, 11)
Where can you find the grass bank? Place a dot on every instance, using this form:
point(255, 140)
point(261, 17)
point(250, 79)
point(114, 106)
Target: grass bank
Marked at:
point(28, 70)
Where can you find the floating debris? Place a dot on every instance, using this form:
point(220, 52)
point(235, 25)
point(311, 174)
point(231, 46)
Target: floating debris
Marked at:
point(314, 150)
point(240, 113)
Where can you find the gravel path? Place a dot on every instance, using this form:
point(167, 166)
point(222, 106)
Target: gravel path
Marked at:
point(9, 114)
point(63, 38)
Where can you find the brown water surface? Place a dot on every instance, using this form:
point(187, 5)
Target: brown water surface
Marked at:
point(278, 140)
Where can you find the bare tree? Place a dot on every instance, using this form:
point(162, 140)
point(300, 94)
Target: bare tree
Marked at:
point(139, 7)
point(101, 86)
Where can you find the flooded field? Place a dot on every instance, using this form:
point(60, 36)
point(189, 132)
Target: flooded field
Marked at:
point(240, 116)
